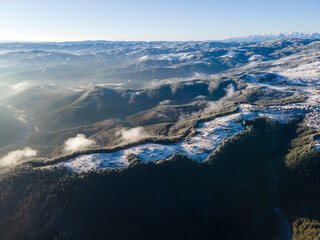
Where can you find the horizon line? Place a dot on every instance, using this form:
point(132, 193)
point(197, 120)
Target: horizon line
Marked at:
point(136, 40)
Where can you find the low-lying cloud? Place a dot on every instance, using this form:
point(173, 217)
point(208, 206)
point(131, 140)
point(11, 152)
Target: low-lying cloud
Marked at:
point(78, 143)
point(229, 92)
point(133, 134)
point(211, 107)
point(14, 157)
point(186, 116)
point(200, 97)
point(165, 102)
point(20, 86)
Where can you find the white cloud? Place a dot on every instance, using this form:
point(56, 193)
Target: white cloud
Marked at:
point(14, 157)
point(165, 102)
point(20, 86)
point(78, 143)
point(133, 134)
point(229, 92)
point(200, 97)
point(211, 107)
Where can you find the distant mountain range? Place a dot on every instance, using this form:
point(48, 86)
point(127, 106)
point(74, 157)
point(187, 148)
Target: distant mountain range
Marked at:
point(274, 36)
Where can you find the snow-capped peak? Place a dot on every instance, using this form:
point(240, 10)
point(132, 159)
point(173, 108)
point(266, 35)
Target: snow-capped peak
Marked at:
point(274, 36)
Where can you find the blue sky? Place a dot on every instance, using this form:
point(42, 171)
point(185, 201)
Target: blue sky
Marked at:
point(72, 20)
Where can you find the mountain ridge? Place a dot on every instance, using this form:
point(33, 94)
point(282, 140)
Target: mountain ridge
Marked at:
point(273, 36)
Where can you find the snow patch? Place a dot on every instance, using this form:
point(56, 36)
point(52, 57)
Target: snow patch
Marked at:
point(209, 135)
point(231, 54)
point(308, 71)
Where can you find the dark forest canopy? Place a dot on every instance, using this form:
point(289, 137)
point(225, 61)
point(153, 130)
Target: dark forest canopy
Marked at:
point(231, 196)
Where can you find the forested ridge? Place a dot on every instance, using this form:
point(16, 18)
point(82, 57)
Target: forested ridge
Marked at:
point(230, 196)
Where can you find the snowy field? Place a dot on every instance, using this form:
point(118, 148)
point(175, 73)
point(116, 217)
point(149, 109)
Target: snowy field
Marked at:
point(209, 136)
point(296, 83)
point(306, 81)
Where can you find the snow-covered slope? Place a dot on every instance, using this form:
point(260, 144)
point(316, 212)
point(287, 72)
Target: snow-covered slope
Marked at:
point(210, 135)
